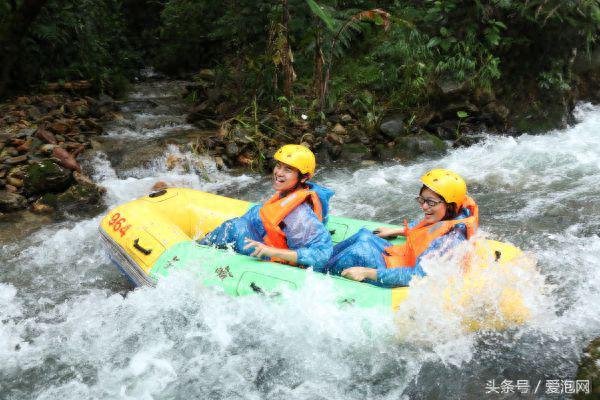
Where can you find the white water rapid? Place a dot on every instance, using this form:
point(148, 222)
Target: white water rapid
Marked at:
point(71, 328)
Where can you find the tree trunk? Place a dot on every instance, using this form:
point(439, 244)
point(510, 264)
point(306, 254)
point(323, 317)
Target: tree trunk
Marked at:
point(12, 34)
point(318, 71)
point(288, 71)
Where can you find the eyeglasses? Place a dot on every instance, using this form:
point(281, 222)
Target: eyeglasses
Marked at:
point(430, 202)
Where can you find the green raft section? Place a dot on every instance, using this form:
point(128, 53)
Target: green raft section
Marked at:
point(240, 275)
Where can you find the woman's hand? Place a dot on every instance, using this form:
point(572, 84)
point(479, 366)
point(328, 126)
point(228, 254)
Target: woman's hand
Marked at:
point(260, 249)
point(385, 231)
point(360, 273)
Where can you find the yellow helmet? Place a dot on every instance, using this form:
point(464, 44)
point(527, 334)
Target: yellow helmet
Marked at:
point(447, 184)
point(298, 157)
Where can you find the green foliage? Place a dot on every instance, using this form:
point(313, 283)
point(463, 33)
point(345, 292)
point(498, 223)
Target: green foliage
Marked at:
point(480, 43)
point(73, 40)
point(322, 14)
point(370, 113)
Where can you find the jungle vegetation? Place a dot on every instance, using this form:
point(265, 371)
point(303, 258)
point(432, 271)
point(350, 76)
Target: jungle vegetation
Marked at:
point(314, 54)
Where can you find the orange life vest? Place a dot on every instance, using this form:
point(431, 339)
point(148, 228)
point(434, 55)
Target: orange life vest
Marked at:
point(277, 208)
point(419, 237)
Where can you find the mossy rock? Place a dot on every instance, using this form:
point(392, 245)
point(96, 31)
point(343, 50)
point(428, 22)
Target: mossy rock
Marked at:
point(355, 151)
point(78, 195)
point(46, 176)
point(415, 145)
point(589, 370)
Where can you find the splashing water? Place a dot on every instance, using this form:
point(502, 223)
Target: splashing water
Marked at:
point(71, 328)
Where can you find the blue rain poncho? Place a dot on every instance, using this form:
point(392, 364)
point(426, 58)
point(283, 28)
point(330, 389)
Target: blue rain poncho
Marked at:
point(305, 234)
point(365, 249)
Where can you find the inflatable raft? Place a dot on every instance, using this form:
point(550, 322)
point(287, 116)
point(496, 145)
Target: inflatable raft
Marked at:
point(151, 237)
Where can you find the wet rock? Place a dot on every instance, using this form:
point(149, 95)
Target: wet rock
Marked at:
point(93, 126)
point(321, 130)
point(589, 369)
point(245, 160)
point(25, 146)
point(338, 129)
point(10, 188)
point(45, 136)
point(46, 176)
point(75, 197)
point(384, 152)
point(137, 105)
point(346, 118)
point(354, 152)
point(61, 126)
point(498, 111)
point(219, 163)
point(206, 74)
point(308, 138)
point(16, 182)
point(16, 160)
point(241, 135)
point(47, 148)
point(88, 192)
point(25, 133)
point(11, 201)
point(447, 130)
point(22, 100)
point(334, 150)
point(173, 161)
point(66, 159)
point(103, 105)
point(392, 127)
point(79, 108)
point(452, 89)
point(39, 207)
point(232, 149)
point(334, 139)
point(424, 143)
point(451, 110)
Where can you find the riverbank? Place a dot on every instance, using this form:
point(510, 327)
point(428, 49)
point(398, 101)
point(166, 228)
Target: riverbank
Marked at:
point(41, 137)
point(454, 114)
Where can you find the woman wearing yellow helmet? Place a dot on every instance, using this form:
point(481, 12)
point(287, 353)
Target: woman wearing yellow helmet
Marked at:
point(289, 227)
point(449, 217)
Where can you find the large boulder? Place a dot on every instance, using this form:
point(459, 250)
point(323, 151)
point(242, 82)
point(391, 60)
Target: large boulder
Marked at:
point(392, 127)
point(11, 201)
point(46, 176)
point(422, 143)
point(83, 195)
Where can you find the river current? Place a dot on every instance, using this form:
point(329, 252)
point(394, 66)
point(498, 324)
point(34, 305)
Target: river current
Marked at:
point(72, 328)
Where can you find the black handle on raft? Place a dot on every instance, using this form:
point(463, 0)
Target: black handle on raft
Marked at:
point(136, 244)
point(497, 255)
point(256, 288)
point(157, 193)
point(259, 290)
point(332, 232)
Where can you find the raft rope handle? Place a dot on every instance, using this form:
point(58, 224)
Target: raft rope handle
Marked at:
point(158, 193)
point(136, 244)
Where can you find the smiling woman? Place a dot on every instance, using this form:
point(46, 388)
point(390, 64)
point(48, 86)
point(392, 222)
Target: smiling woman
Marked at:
point(449, 217)
point(289, 227)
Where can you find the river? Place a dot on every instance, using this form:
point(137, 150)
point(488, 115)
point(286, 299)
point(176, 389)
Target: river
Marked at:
point(71, 327)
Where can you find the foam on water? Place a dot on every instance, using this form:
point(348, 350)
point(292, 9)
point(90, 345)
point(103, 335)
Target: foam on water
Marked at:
point(71, 330)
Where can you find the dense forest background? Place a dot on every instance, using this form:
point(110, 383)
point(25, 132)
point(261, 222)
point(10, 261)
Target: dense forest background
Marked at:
point(378, 57)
